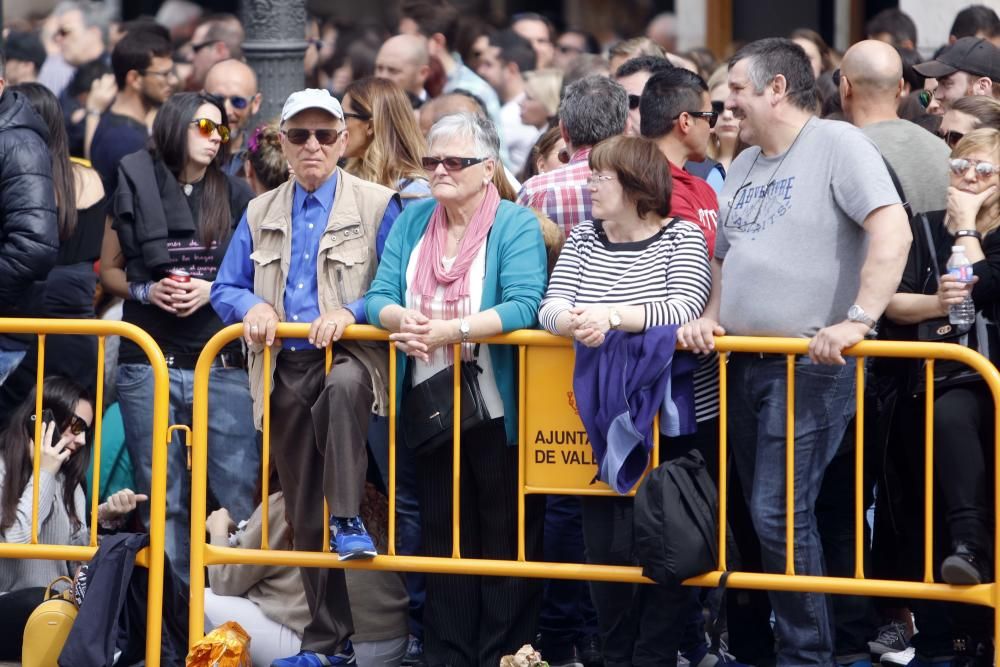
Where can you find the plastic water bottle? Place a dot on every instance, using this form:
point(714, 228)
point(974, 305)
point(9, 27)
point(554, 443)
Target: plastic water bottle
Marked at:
point(960, 269)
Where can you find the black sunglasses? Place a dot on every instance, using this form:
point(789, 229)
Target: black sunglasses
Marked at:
point(237, 101)
point(76, 425)
point(195, 48)
point(712, 116)
point(300, 135)
point(450, 163)
point(925, 97)
point(718, 107)
point(951, 137)
point(363, 117)
point(633, 101)
point(836, 77)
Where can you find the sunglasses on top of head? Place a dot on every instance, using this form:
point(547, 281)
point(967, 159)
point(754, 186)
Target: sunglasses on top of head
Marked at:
point(300, 135)
point(207, 126)
point(450, 162)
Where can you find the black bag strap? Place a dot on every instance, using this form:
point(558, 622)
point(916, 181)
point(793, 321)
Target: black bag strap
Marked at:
point(929, 237)
point(719, 622)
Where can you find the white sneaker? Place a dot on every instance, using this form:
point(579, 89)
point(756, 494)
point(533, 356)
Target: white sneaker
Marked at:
point(899, 657)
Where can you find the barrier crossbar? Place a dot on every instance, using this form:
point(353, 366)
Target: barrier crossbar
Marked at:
point(986, 594)
point(151, 557)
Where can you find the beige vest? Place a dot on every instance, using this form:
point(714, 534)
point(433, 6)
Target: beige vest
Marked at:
point(345, 266)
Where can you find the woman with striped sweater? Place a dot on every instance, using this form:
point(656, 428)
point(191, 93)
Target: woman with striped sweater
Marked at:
point(631, 269)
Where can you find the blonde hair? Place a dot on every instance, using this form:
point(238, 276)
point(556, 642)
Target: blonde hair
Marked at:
point(986, 140)
point(545, 85)
point(397, 147)
point(637, 46)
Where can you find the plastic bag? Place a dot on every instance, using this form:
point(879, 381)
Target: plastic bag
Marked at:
point(226, 646)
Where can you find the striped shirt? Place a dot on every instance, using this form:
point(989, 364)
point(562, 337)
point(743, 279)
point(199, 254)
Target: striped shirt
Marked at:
point(668, 274)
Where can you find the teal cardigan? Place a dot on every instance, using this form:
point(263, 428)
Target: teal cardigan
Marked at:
point(513, 286)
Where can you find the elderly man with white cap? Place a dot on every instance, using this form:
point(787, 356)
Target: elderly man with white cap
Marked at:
point(306, 252)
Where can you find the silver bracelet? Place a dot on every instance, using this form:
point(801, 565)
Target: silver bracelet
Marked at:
point(139, 291)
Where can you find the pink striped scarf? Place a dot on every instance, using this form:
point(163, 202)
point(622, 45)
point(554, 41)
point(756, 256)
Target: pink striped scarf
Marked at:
point(431, 273)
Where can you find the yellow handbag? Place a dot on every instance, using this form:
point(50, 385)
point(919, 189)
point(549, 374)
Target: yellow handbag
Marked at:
point(48, 626)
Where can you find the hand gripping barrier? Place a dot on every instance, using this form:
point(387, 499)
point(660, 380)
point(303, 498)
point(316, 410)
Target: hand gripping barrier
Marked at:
point(151, 557)
point(545, 382)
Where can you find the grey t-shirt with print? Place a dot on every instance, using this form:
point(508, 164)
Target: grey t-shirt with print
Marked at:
point(792, 235)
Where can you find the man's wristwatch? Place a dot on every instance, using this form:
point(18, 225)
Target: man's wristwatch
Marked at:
point(465, 329)
point(857, 314)
point(614, 319)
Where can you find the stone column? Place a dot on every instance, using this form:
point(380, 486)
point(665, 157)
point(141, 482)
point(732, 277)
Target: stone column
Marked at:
point(275, 47)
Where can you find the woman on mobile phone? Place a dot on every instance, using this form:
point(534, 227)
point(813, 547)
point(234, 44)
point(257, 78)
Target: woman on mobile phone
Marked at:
point(68, 415)
point(173, 215)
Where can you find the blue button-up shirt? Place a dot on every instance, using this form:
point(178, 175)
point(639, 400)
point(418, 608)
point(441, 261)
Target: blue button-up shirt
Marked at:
point(232, 291)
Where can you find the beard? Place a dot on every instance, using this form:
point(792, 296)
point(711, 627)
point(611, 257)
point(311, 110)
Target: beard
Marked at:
point(150, 102)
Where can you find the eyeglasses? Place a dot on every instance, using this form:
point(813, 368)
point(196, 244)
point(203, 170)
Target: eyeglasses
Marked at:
point(207, 126)
point(363, 117)
point(167, 73)
point(959, 166)
point(300, 135)
point(450, 162)
point(718, 107)
point(596, 179)
point(566, 49)
point(633, 101)
point(195, 48)
point(78, 425)
point(238, 102)
point(836, 77)
point(951, 137)
point(712, 116)
point(925, 97)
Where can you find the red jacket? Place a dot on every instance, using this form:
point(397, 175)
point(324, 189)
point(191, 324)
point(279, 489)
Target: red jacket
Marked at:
point(694, 200)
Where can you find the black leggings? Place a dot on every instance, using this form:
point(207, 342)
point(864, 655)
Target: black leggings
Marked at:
point(15, 608)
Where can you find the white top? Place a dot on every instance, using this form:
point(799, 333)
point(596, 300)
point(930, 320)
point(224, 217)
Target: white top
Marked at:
point(520, 137)
point(443, 358)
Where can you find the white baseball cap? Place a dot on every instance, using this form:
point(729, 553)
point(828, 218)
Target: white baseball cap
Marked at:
point(311, 98)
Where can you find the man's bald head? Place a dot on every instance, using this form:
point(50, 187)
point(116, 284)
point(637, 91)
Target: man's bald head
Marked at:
point(404, 60)
point(873, 68)
point(440, 107)
point(236, 83)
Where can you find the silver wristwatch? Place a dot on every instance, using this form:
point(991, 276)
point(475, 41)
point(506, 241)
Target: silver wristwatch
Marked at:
point(465, 329)
point(614, 319)
point(857, 314)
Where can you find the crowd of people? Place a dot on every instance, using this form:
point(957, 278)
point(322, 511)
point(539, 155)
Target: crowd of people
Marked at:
point(449, 181)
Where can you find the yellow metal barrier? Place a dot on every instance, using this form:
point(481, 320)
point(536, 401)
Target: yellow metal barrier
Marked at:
point(549, 357)
point(152, 556)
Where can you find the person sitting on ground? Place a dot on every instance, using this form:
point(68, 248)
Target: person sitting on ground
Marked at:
point(62, 509)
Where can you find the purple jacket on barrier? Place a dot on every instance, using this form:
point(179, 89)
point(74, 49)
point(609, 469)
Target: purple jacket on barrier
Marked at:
point(619, 388)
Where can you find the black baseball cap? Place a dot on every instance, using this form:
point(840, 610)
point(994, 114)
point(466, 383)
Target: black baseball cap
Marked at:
point(24, 46)
point(974, 55)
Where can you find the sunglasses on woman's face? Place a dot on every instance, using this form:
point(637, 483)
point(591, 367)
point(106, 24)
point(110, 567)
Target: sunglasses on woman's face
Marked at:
point(450, 163)
point(959, 166)
point(77, 425)
point(951, 137)
point(300, 135)
point(207, 126)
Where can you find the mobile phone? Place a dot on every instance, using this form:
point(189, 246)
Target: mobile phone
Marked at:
point(47, 417)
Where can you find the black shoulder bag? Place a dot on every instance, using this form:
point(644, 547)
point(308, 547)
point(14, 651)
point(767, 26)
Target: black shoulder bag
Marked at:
point(427, 420)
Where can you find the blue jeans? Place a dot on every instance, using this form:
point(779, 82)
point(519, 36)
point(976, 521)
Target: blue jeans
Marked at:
point(233, 448)
point(9, 360)
point(824, 405)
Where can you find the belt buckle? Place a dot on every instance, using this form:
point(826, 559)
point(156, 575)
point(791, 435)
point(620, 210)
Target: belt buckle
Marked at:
point(170, 360)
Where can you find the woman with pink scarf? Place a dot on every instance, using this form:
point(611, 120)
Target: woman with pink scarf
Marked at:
point(463, 266)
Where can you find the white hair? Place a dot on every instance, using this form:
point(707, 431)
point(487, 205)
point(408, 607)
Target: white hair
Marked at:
point(481, 131)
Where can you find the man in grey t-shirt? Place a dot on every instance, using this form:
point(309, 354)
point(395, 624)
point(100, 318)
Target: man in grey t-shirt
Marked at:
point(812, 244)
point(871, 82)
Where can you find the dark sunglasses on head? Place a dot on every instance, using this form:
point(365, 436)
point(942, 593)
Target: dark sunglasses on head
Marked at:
point(450, 163)
point(983, 169)
point(300, 135)
point(633, 101)
point(711, 116)
point(951, 137)
point(207, 126)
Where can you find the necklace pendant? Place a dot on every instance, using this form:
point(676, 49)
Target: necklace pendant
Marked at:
point(188, 189)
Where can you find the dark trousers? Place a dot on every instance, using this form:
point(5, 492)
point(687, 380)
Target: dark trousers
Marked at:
point(15, 608)
point(474, 620)
point(643, 624)
point(319, 425)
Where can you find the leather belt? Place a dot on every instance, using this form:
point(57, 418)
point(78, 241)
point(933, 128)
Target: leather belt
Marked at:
point(187, 361)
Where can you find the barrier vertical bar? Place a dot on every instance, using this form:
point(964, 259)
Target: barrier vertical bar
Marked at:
point(158, 502)
point(392, 449)
point(98, 437)
point(790, 468)
point(456, 454)
point(929, 474)
point(36, 467)
point(522, 449)
point(327, 365)
point(859, 470)
point(723, 456)
point(265, 455)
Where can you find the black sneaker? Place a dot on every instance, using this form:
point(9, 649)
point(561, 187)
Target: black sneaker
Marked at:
point(588, 651)
point(891, 639)
point(964, 567)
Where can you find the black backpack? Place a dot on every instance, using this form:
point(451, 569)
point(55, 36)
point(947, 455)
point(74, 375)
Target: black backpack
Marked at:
point(675, 519)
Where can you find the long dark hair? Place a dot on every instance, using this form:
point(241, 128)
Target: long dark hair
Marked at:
point(170, 145)
point(47, 106)
point(61, 396)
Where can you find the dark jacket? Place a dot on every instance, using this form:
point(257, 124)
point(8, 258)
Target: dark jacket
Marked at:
point(29, 236)
point(620, 387)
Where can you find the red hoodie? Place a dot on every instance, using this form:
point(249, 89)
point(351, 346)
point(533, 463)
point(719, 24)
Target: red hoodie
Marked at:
point(694, 200)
